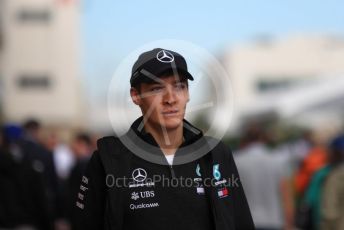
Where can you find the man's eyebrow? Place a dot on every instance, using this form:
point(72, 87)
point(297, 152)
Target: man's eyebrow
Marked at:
point(155, 83)
point(178, 81)
point(160, 84)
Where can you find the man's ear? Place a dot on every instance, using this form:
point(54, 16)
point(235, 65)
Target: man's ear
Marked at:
point(188, 95)
point(135, 96)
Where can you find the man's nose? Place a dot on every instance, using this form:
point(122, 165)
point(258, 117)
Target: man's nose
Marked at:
point(169, 96)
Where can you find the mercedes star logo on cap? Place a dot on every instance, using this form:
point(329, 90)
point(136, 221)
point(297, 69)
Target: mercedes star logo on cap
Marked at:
point(139, 175)
point(165, 56)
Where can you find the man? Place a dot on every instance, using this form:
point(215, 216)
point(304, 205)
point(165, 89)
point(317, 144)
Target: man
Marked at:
point(161, 145)
point(43, 162)
point(265, 171)
point(23, 201)
point(332, 204)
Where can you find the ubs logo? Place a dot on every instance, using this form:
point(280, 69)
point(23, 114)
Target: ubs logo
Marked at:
point(144, 194)
point(147, 194)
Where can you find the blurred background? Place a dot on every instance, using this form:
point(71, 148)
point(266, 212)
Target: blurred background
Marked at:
point(285, 60)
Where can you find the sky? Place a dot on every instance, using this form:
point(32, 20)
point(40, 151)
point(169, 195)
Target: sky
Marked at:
point(113, 29)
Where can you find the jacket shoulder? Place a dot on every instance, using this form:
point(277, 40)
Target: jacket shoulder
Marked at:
point(109, 144)
point(106, 139)
point(218, 147)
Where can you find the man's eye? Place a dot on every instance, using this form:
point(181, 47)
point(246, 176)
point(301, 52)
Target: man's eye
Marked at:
point(156, 89)
point(180, 86)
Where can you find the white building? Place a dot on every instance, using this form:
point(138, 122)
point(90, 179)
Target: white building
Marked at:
point(39, 62)
point(299, 78)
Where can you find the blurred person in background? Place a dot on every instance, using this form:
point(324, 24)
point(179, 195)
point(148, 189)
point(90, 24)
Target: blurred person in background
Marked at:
point(63, 161)
point(42, 160)
point(314, 160)
point(310, 205)
point(23, 199)
point(62, 154)
point(82, 149)
point(95, 137)
point(299, 145)
point(332, 200)
point(264, 174)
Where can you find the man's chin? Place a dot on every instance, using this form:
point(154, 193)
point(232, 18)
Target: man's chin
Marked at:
point(171, 123)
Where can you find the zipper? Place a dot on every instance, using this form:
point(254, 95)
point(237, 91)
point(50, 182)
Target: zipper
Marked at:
point(172, 172)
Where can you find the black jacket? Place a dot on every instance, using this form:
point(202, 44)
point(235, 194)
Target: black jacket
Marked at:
point(23, 199)
point(165, 197)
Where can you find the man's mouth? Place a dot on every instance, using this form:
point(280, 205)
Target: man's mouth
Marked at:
point(170, 113)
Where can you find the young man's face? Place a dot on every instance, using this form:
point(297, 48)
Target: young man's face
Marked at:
point(162, 103)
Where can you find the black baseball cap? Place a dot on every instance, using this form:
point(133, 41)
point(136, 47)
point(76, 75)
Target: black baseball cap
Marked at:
point(157, 62)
